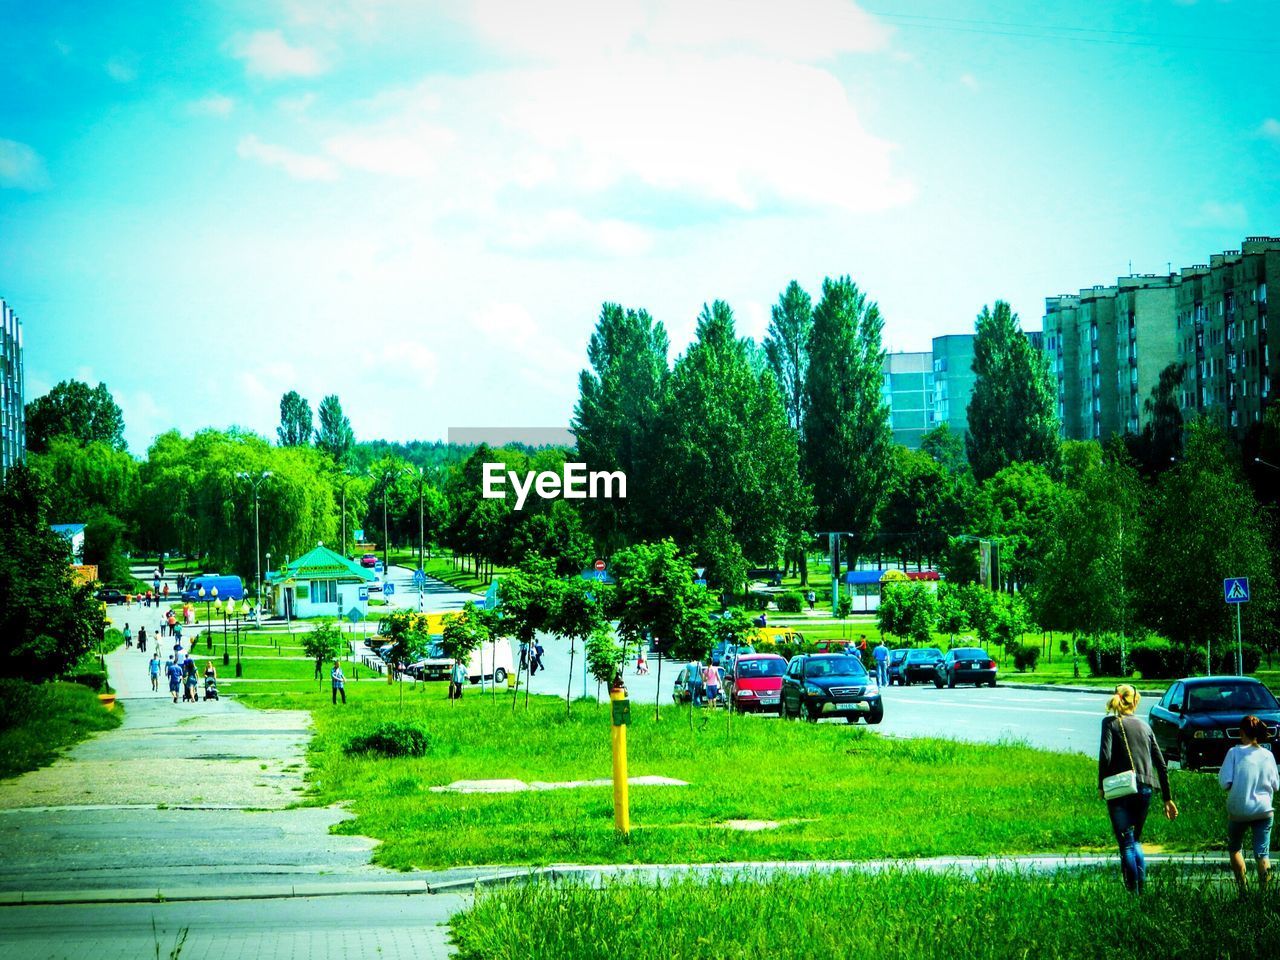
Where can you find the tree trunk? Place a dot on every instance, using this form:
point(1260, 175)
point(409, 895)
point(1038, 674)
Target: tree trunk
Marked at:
point(568, 694)
point(657, 700)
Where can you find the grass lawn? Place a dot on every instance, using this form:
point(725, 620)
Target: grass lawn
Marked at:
point(902, 915)
point(49, 717)
point(469, 581)
point(838, 791)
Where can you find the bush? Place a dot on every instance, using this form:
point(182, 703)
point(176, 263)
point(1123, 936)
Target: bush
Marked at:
point(1025, 657)
point(1156, 658)
point(757, 601)
point(95, 680)
point(1224, 657)
point(393, 739)
point(844, 606)
point(18, 700)
point(1103, 653)
point(790, 603)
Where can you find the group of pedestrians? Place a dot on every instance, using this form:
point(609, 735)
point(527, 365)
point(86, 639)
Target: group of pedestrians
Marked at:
point(1131, 767)
point(183, 676)
point(531, 657)
point(702, 683)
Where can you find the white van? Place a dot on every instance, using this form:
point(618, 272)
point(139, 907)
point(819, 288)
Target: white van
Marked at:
point(493, 661)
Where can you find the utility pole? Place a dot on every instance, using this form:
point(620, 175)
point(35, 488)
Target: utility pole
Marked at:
point(256, 482)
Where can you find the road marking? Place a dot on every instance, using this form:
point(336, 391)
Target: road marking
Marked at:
point(1022, 708)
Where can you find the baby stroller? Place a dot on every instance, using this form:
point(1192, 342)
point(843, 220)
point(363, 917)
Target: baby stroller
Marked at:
point(211, 688)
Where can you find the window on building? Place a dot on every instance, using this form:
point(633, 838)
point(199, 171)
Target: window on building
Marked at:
point(324, 591)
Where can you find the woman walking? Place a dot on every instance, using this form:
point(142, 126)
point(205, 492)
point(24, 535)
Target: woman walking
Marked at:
point(1249, 776)
point(1130, 766)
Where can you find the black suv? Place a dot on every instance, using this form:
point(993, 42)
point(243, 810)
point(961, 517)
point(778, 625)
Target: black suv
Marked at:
point(830, 684)
point(1198, 719)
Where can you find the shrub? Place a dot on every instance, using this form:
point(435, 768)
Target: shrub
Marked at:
point(1103, 653)
point(844, 606)
point(1224, 657)
point(393, 738)
point(790, 603)
point(95, 680)
point(18, 701)
point(757, 601)
point(1156, 658)
point(1025, 657)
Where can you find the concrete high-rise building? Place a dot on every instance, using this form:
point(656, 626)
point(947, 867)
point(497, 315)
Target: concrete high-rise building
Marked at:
point(13, 417)
point(952, 381)
point(908, 392)
point(1146, 342)
point(1221, 332)
point(1062, 344)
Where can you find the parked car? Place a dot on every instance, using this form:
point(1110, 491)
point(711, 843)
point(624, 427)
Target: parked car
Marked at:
point(1198, 719)
point(895, 665)
point(369, 560)
point(964, 665)
point(228, 587)
point(919, 664)
point(724, 652)
point(830, 684)
point(109, 595)
point(492, 661)
point(754, 683)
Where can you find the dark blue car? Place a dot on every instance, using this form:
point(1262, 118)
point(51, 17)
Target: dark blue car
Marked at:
point(830, 685)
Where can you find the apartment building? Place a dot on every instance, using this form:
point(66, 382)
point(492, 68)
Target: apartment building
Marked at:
point(908, 392)
point(13, 420)
point(1221, 331)
point(952, 380)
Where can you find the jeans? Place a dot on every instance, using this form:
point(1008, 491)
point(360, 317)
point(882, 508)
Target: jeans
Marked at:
point(339, 691)
point(1128, 815)
point(882, 672)
point(1261, 830)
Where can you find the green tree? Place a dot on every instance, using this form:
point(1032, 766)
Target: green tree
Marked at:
point(105, 538)
point(465, 633)
point(577, 613)
point(655, 599)
point(1206, 526)
point(847, 440)
point(924, 506)
point(951, 613)
point(526, 599)
point(323, 643)
point(726, 452)
point(604, 656)
point(617, 417)
point(1159, 444)
point(296, 424)
point(1013, 411)
point(787, 348)
point(47, 623)
point(74, 409)
point(85, 477)
point(334, 435)
point(946, 447)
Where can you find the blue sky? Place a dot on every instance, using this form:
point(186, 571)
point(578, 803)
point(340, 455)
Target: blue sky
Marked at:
point(422, 205)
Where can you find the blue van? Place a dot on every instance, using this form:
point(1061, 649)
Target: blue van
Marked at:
point(229, 588)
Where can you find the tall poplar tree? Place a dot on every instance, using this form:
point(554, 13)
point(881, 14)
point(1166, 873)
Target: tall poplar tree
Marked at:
point(847, 440)
point(1013, 415)
point(295, 421)
point(335, 436)
point(787, 347)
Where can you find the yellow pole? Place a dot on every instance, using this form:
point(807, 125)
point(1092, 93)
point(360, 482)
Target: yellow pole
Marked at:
point(621, 796)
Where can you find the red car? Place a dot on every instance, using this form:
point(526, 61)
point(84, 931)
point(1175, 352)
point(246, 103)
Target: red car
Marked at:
point(369, 560)
point(756, 682)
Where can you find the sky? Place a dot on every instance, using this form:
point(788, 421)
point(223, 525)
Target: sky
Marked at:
point(422, 205)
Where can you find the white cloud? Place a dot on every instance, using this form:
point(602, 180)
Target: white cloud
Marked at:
point(805, 30)
point(121, 71)
point(300, 166)
point(1225, 215)
point(568, 232)
point(214, 105)
point(970, 81)
point(394, 152)
point(21, 167)
point(1270, 129)
point(299, 104)
point(266, 53)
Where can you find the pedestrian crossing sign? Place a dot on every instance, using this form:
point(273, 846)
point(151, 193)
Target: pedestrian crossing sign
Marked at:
point(1236, 589)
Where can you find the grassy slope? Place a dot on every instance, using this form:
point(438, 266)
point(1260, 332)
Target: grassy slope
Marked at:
point(894, 916)
point(63, 714)
point(842, 792)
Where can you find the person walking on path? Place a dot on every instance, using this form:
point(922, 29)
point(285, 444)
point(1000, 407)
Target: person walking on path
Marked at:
point(142, 639)
point(812, 598)
point(1130, 766)
point(711, 677)
point(174, 671)
point(1250, 778)
point(536, 664)
point(153, 668)
point(339, 683)
point(882, 664)
point(693, 681)
point(457, 678)
point(165, 590)
point(642, 665)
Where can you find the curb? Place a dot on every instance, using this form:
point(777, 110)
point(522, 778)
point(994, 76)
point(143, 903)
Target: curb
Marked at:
point(593, 874)
point(1065, 688)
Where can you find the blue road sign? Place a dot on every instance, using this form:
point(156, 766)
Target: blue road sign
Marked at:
point(388, 588)
point(1235, 590)
point(377, 567)
point(419, 578)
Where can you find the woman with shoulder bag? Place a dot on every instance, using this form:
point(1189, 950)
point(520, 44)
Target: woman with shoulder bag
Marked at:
point(1130, 766)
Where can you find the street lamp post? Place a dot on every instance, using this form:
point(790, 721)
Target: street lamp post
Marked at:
point(256, 482)
point(235, 611)
point(385, 477)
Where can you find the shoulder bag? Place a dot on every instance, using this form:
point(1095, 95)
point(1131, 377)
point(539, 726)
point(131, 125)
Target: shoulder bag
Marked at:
point(1124, 784)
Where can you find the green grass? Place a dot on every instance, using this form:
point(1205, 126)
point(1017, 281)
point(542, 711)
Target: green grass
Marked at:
point(59, 715)
point(839, 791)
point(900, 915)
